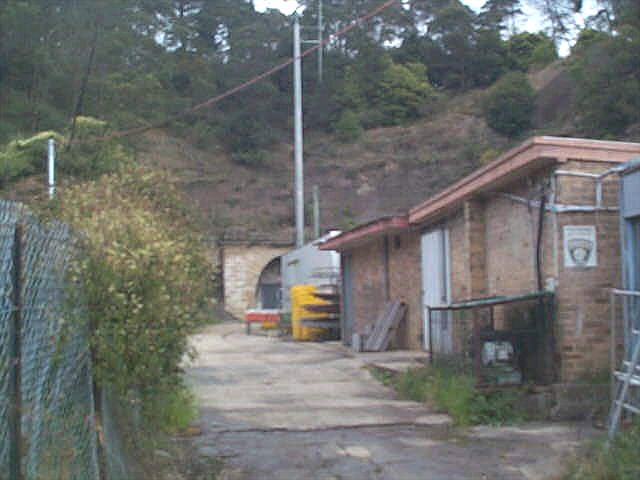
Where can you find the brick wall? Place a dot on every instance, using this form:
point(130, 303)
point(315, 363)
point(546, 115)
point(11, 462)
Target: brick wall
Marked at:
point(368, 285)
point(405, 284)
point(241, 269)
point(583, 314)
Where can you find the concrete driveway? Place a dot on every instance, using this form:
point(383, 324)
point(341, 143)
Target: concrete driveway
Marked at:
point(273, 409)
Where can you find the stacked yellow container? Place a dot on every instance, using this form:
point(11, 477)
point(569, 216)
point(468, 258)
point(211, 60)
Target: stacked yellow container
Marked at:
point(302, 295)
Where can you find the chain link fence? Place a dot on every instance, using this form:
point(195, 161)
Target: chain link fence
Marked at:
point(48, 423)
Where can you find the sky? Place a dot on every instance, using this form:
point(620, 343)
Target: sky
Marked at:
point(530, 21)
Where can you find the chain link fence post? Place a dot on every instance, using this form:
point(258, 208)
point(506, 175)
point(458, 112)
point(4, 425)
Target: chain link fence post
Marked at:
point(15, 415)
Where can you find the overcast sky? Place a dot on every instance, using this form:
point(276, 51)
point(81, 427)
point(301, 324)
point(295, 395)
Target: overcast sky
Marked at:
point(530, 20)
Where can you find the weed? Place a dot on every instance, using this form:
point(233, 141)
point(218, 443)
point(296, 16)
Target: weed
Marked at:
point(620, 461)
point(449, 388)
point(175, 409)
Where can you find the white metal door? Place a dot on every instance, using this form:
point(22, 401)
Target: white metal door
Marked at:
point(435, 288)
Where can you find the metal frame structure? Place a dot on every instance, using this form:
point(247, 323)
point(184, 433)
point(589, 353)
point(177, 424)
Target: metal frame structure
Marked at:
point(545, 300)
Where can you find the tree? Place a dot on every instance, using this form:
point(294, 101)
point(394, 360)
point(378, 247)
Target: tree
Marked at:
point(607, 102)
point(531, 49)
point(499, 15)
point(403, 90)
point(509, 104)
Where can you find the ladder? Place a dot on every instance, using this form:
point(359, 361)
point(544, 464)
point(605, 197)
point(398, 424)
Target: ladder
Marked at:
point(627, 377)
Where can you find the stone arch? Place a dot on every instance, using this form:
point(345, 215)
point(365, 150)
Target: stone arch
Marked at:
point(242, 267)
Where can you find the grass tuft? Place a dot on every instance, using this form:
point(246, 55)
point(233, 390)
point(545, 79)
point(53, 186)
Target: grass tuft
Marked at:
point(446, 387)
point(618, 462)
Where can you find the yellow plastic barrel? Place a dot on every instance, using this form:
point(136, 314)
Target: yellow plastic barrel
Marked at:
point(304, 295)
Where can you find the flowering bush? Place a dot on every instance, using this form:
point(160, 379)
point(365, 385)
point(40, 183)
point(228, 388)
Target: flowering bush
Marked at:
point(142, 274)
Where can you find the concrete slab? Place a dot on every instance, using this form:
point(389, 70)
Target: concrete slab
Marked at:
point(273, 409)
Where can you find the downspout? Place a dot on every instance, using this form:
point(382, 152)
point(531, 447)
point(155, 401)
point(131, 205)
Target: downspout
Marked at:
point(543, 201)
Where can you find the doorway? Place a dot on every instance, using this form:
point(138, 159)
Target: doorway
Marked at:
point(435, 268)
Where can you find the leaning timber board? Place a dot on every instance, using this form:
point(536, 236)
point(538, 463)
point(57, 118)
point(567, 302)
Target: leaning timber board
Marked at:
point(385, 326)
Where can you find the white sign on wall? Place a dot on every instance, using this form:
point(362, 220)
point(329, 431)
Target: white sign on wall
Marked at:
point(580, 246)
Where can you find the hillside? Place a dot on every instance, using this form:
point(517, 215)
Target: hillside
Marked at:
point(385, 171)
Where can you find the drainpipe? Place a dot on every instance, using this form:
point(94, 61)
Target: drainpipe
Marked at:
point(543, 201)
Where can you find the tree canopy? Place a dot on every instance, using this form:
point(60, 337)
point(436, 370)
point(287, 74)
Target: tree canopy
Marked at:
point(135, 62)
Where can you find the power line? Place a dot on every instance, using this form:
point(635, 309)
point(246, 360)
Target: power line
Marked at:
point(242, 86)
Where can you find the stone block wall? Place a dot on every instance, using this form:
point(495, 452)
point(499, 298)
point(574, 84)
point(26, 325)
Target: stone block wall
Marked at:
point(241, 269)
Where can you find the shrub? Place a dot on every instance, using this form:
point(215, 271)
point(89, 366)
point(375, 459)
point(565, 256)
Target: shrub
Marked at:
point(21, 158)
point(348, 128)
point(90, 159)
point(402, 91)
point(510, 104)
point(144, 277)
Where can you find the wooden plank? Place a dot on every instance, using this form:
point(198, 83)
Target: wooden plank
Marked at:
point(385, 326)
point(395, 321)
point(371, 340)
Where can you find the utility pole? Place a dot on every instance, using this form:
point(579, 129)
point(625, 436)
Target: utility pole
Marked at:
point(51, 167)
point(320, 40)
point(298, 145)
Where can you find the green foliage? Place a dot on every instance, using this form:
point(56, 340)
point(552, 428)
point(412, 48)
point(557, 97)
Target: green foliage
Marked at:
point(607, 74)
point(87, 159)
point(510, 104)
point(489, 155)
point(173, 410)
point(348, 128)
point(90, 159)
point(619, 461)
point(145, 279)
point(449, 388)
point(21, 158)
point(394, 95)
point(402, 91)
point(527, 50)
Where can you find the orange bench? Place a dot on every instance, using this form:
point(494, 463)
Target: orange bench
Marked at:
point(264, 317)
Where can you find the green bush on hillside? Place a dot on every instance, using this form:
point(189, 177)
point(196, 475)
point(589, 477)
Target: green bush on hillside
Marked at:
point(510, 104)
point(86, 159)
point(348, 127)
point(21, 158)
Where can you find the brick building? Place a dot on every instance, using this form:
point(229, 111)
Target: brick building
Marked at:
point(483, 237)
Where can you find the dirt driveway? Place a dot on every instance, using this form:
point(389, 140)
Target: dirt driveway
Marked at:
point(272, 409)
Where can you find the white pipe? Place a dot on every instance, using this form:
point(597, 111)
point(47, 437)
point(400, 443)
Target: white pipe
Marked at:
point(298, 144)
point(51, 167)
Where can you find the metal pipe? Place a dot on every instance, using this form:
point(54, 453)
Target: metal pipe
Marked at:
point(612, 352)
point(320, 42)
point(298, 145)
point(316, 212)
point(599, 193)
point(51, 167)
